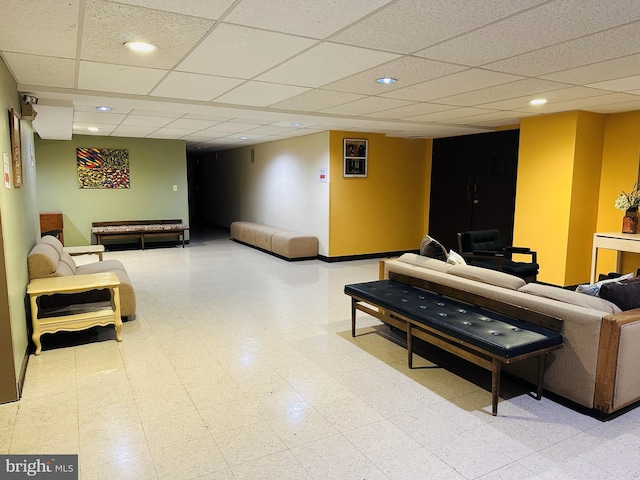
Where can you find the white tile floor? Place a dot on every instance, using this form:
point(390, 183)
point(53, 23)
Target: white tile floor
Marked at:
point(241, 366)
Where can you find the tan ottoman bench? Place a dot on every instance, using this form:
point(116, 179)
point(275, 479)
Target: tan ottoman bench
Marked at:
point(283, 243)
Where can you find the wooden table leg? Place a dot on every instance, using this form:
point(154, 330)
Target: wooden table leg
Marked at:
point(353, 317)
point(540, 380)
point(495, 386)
point(409, 346)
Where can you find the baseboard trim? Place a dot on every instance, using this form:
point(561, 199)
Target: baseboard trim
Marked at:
point(23, 372)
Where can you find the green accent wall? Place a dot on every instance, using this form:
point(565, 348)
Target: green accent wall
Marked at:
point(155, 166)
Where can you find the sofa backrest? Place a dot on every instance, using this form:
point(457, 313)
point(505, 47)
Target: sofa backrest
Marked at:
point(47, 259)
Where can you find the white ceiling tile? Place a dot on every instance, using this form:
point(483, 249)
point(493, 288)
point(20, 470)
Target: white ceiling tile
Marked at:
point(563, 20)
point(155, 113)
point(117, 78)
point(598, 47)
point(193, 86)
point(260, 94)
point(598, 72)
point(520, 88)
point(241, 52)
point(307, 18)
point(484, 117)
point(410, 25)
point(445, 116)
point(325, 63)
point(407, 70)
point(625, 84)
point(80, 106)
point(411, 110)
point(189, 123)
point(269, 130)
point(563, 95)
point(215, 118)
point(232, 127)
point(251, 121)
point(367, 105)
point(108, 25)
point(80, 128)
point(26, 27)
point(98, 117)
point(141, 120)
point(617, 107)
point(39, 70)
point(133, 130)
point(198, 8)
point(580, 103)
point(174, 132)
point(468, 80)
point(317, 99)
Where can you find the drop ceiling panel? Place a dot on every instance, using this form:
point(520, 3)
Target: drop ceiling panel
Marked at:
point(145, 121)
point(581, 103)
point(198, 8)
point(317, 99)
point(625, 84)
point(325, 63)
point(26, 27)
point(598, 72)
point(39, 70)
point(108, 25)
point(98, 118)
point(231, 127)
point(133, 131)
point(367, 105)
point(445, 116)
point(117, 78)
point(189, 123)
point(260, 94)
point(566, 94)
point(410, 25)
point(542, 26)
point(316, 19)
point(468, 80)
point(193, 86)
point(411, 110)
point(242, 52)
point(598, 47)
point(407, 70)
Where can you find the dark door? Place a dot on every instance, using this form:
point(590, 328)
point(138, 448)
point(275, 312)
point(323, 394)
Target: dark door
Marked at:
point(473, 185)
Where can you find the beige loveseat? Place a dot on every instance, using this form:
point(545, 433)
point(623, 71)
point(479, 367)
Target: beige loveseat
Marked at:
point(48, 259)
point(598, 365)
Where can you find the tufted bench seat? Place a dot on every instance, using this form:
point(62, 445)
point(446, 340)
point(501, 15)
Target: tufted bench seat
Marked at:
point(486, 338)
point(138, 229)
point(283, 243)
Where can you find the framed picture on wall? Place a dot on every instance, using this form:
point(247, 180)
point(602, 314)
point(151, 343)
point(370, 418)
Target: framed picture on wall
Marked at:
point(355, 157)
point(16, 154)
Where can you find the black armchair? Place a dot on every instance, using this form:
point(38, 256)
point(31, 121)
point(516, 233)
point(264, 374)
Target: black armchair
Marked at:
point(483, 248)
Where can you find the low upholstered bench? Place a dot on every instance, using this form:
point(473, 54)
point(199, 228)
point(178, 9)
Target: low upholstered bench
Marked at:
point(280, 242)
point(138, 229)
point(487, 338)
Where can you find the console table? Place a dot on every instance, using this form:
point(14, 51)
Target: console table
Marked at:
point(81, 317)
point(621, 242)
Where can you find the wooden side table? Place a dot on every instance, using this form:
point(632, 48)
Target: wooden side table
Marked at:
point(85, 250)
point(76, 319)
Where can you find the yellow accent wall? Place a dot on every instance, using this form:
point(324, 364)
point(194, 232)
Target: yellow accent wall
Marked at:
point(619, 172)
point(388, 210)
point(557, 192)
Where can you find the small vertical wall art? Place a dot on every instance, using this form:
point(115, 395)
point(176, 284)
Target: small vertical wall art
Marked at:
point(16, 153)
point(355, 157)
point(102, 168)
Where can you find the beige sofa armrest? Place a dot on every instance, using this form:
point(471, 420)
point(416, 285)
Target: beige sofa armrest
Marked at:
point(609, 352)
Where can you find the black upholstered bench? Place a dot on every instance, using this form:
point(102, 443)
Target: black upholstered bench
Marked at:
point(487, 338)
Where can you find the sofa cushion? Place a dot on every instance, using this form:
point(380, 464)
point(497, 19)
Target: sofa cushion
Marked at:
point(485, 275)
point(430, 247)
point(624, 293)
point(568, 296)
point(424, 262)
point(43, 261)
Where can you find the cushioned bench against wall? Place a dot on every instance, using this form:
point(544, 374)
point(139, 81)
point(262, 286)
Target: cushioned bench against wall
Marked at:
point(284, 243)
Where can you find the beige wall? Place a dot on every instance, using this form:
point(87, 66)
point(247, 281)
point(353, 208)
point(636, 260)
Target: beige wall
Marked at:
point(20, 231)
point(154, 165)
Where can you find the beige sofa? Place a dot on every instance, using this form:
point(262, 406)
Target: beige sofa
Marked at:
point(598, 365)
point(48, 259)
point(283, 243)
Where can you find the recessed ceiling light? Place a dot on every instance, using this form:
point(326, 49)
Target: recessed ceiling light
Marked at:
point(386, 80)
point(538, 101)
point(244, 138)
point(140, 46)
point(93, 129)
point(103, 108)
point(296, 124)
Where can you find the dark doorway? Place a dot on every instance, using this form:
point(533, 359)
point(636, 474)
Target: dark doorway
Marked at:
point(473, 185)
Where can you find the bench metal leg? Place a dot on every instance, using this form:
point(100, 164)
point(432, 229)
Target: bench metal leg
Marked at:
point(495, 385)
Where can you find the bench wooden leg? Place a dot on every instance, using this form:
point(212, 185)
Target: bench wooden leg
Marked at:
point(353, 317)
point(495, 385)
point(540, 381)
point(409, 346)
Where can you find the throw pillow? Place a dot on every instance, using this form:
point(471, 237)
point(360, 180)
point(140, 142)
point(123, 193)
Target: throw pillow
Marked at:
point(430, 247)
point(624, 293)
point(594, 288)
point(455, 258)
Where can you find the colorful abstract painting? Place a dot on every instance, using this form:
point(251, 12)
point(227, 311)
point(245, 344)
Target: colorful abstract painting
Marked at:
point(102, 168)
